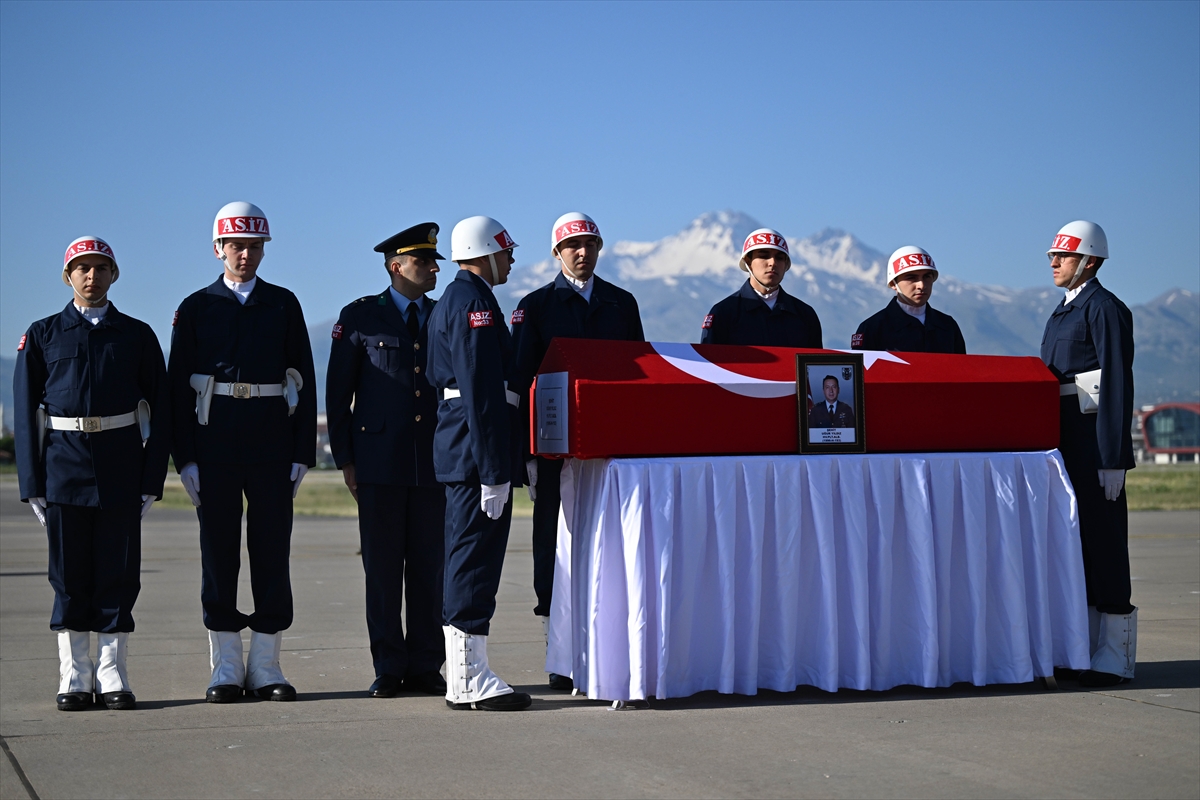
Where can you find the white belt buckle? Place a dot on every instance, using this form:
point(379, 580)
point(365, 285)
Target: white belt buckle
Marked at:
point(89, 424)
point(241, 390)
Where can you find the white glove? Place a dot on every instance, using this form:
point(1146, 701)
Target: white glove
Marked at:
point(38, 504)
point(298, 473)
point(147, 501)
point(189, 476)
point(531, 471)
point(494, 498)
point(1112, 480)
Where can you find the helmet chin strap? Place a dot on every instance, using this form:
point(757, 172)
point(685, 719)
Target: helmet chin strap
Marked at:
point(765, 289)
point(495, 271)
point(569, 271)
point(1080, 269)
point(86, 302)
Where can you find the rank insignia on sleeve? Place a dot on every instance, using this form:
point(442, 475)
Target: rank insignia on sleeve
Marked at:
point(479, 319)
point(21, 344)
point(175, 318)
point(856, 340)
point(518, 316)
point(707, 322)
point(337, 331)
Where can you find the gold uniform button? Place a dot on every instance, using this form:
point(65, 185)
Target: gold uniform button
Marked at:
point(418, 417)
point(364, 427)
point(416, 345)
point(417, 370)
point(381, 344)
point(418, 392)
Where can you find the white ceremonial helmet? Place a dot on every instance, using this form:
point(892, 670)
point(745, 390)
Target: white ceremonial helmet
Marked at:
point(762, 239)
point(571, 225)
point(1080, 236)
point(907, 259)
point(83, 246)
point(241, 220)
point(475, 237)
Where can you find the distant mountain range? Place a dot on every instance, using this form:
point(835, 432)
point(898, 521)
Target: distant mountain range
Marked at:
point(677, 280)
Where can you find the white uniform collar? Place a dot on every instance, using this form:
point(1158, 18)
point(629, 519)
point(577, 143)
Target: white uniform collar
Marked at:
point(583, 287)
point(93, 315)
point(913, 311)
point(768, 297)
point(1073, 293)
point(241, 290)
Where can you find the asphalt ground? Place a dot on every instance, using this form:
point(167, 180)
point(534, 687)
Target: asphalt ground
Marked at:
point(1141, 740)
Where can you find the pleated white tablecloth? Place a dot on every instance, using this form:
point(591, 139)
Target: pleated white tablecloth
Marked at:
point(679, 575)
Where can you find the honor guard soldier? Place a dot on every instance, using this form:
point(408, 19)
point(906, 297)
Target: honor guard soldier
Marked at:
point(245, 422)
point(909, 323)
point(1089, 342)
point(575, 305)
point(382, 413)
point(476, 453)
point(92, 440)
point(761, 312)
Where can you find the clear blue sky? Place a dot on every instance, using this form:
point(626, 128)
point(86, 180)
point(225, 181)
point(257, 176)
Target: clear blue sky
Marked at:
point(974, 130)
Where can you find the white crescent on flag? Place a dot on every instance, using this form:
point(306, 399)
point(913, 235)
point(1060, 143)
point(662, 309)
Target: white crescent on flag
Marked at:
point(685, 359)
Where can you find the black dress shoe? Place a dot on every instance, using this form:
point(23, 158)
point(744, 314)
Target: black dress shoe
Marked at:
point(74, 701)
point(430, 682)
point(561, 682)
point(385, 686)
point(224, 693)
point(279, 692)
point(119, 701)
point(1092, 679)
point(1065, 674)
point(514, 701)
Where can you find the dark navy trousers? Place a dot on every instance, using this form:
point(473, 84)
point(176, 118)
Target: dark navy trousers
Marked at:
point(402, 531)
point(95, 566)
point(1103, 523)
point(474, 557)
point(268, 492)
point(545, 531)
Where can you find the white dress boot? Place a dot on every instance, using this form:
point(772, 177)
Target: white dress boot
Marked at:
point(112, 677)
point(263, 675)
point(470, 682)
point(560, 682)
point(76, 673)
point(228, 670)
point(1114, 659)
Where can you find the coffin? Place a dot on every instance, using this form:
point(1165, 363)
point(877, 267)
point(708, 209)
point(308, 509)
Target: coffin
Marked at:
point(595, 399)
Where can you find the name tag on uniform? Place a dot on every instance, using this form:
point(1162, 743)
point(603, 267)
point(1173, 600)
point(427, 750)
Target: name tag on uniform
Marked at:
point(518, 316)
point(479, 319)
point(21, 344)
point(337, 331)
point(707, 322)
point(856, 340)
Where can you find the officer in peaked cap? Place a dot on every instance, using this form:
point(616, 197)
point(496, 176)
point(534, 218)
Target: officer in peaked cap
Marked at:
point(382, 414)
point(761, 312)
point(577, 304)
point(245, 424)
point(92, 439)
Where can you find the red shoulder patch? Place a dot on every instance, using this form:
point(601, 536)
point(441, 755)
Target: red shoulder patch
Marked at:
point(337, 330)
point(856, 340)
point(21, 344)
point(175, 318)
point(479, 319)
point(518, 316)
point(707, 322)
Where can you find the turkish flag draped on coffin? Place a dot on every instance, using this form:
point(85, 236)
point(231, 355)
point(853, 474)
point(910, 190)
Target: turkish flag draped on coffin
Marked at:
point(594, 399)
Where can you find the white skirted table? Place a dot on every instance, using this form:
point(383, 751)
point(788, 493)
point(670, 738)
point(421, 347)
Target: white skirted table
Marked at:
point(730, 573)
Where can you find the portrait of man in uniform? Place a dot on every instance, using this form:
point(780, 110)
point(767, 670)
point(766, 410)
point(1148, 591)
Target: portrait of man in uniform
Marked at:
point(829, 393)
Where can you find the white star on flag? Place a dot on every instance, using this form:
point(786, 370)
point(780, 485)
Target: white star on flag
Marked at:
point(871, 356)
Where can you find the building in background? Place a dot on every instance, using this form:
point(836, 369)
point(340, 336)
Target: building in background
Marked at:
point(1168, 433)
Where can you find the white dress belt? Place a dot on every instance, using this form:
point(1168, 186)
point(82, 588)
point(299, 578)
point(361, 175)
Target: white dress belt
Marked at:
point(244, 390)
point(1067, 389)
point(91, 424)
point(513, 398)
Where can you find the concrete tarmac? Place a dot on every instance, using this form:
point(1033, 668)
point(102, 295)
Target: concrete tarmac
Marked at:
point(1140, 740)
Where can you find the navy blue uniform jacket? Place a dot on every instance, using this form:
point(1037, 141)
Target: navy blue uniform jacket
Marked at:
point(1095, 331)
point(76, 369)
point(214, 334)
point(894, 329)
point(743, 318)
point(556, 310)
point(470, 349)
point(376, 367)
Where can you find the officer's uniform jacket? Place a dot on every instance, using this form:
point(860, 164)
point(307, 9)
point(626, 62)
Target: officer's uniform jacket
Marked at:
point(819, 416)
point(895, 329)
point(743, 318)
point(470, 350)
point(558, 310)
point(215, 334)
point(1095, 331)
point(77, 369)
point(381, 408)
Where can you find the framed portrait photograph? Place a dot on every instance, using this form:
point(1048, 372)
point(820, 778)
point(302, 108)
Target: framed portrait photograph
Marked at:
point(829, 398)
